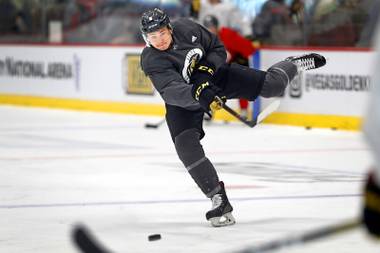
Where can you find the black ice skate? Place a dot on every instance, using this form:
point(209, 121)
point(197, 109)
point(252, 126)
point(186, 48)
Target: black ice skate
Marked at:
point(220, 214)
point(307, 61)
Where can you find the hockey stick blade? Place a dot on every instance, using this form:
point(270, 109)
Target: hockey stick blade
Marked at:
point(152, 125)
point(85, 241)
point(268, 110)
point(304, 238)
point(251, 123)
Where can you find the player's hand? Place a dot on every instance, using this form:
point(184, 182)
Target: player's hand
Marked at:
point(208, 97)
point(203, 89)
point(203, 71)
point(205, 67)
point(217, 103)
point(371, 209)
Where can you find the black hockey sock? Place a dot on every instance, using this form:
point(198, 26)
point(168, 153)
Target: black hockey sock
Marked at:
point(204, 174)
point(191, 153)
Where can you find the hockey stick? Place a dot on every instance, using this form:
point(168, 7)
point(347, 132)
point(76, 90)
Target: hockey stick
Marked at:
point(155, 125)
point(251, 123)
point(85, 241)
point(262, 115)
point(304, 238)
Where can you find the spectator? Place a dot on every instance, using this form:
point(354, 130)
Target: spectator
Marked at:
point(273, 25)
point(227, 14)
point(297, 11)
point(32, 14)
point(369, 26)
point(195, 7)
point(71, 15)
point(20, 24)
point(333, 24)
point(8, 13)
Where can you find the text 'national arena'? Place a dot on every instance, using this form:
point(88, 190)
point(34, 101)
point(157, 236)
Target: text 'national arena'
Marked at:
point(35, 69)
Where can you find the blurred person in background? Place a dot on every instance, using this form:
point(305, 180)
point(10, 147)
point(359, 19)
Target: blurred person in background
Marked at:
point(369, 27)
point(238, 48)
point(8, 12)
point(371, 205)
point(338, 23)
point(227, 14)
point(274, 25)
point(195, 7)
point(297, 8)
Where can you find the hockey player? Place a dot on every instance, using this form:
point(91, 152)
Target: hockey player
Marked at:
point(186, 64)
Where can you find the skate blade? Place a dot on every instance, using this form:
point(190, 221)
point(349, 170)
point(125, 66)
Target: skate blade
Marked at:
point(226, 220)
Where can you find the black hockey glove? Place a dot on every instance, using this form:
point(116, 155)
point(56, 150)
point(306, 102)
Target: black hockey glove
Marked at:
point(207, 96)
point(205, 67)
point(371, 209)
point(203, 89)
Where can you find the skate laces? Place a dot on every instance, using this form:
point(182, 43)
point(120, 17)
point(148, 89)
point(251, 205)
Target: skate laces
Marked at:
point(305, 63)
point(216, 200)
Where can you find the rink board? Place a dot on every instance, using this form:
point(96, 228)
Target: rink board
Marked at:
point(93, 78)
point(108, 79)
point(334, 96)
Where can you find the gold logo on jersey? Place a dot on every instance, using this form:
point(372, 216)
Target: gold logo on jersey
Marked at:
point(191, 60)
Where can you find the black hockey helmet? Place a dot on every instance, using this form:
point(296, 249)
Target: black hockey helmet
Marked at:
point(152, 20)
point(210, 21)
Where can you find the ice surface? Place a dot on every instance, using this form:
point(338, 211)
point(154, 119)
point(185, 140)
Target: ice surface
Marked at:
point(60, 168)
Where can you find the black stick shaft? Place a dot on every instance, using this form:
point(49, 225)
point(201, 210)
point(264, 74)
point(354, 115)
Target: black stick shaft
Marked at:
point(239, 117)
point(304, 238)
point(86, 242)
point(155, 125)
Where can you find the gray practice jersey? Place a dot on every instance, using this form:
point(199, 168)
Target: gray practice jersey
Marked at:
point(170, 70)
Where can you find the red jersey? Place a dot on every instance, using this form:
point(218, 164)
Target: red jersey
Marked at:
point(235, 43)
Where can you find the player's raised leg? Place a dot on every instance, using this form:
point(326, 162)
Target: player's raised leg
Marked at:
point(279, 75)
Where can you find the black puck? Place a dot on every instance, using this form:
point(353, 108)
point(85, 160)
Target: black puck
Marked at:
point(154, 237)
